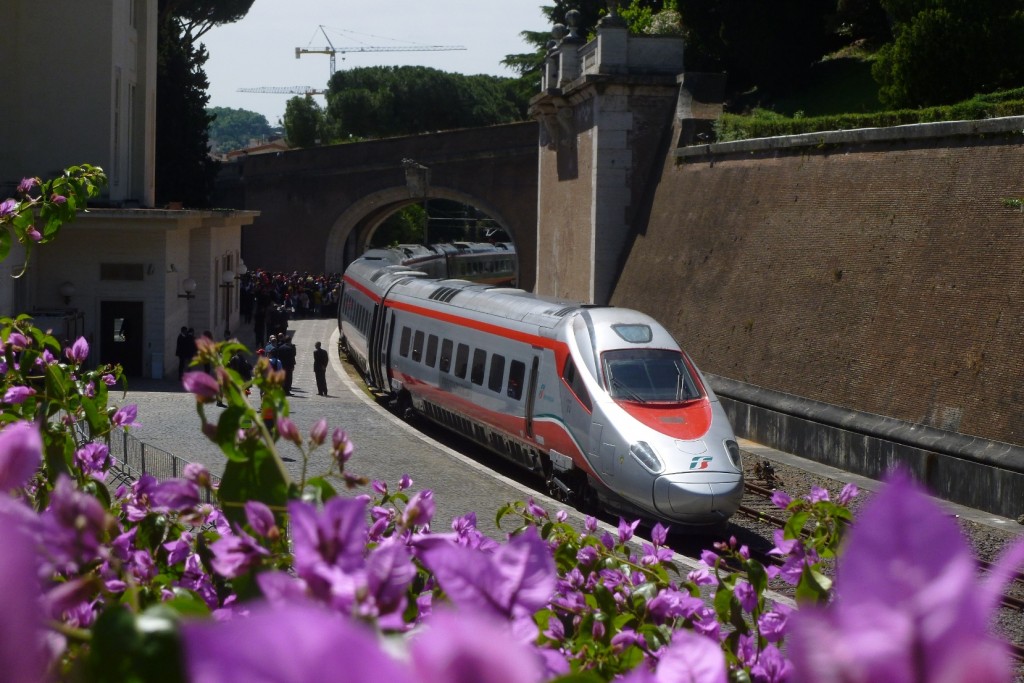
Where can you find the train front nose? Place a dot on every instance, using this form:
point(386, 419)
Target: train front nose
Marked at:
point(698, 497)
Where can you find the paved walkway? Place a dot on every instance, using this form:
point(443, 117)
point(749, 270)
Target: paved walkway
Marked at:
point(386, 448)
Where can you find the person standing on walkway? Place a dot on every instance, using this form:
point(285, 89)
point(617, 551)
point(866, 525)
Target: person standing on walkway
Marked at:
point(320, 369)
point(286, 352)
point(183, 350)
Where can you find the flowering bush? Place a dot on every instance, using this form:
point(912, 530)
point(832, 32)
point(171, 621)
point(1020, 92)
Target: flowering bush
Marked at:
point(289, 580)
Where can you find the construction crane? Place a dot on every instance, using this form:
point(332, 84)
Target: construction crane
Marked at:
point(332, 51)
point(286, 90)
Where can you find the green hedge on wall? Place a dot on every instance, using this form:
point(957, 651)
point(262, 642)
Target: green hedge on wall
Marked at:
point(763, 123)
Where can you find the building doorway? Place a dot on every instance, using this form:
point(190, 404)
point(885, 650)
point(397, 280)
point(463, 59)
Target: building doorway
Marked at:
point(120, 335)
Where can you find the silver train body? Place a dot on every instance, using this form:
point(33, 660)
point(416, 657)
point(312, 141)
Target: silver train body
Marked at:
point(486, 262)
point(601, 401)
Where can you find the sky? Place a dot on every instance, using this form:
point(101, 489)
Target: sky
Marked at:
point(259, 50)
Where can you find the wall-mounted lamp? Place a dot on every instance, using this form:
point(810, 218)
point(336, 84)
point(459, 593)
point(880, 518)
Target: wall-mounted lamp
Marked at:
point(189, 285)
point(67, 290)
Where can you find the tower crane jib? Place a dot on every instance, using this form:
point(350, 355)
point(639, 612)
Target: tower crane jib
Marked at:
point(333, 51)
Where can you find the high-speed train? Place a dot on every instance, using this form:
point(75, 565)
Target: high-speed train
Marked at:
point(601, 401)
point(492, 263)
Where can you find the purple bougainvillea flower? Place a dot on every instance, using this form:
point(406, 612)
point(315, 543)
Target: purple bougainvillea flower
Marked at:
point(58, 199)
point(746, 595)
point(21, 452)
point(22, 657)
point(294, 643)
point(288, 431)
point(627, 529)
point(513, 582)
point(318, 434)
point(691, 658)
point(261, 519)
point(78, 352)
point(198, 473)
point(234, 554)
point(18, 394)
point(420, 509)
point(125, 416)
point(781, 499)
point(332, 540)
point(8, 207)
point(202, 385)
point(34, 234)
point(848, 493)
point(405, 482)
point(26, 185)
point(93, 457)
point(18, 341)
point(343, 447)
point(465, 647)
point(177, 495)
point(907, 605)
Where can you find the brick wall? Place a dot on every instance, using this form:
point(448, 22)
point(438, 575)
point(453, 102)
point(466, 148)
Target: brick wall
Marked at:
point(881, 276)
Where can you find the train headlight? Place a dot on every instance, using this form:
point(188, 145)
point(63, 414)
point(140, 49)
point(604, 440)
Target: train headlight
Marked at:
point(733, 449)
point(646, 456)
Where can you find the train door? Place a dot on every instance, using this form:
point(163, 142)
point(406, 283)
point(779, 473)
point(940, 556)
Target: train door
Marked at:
point(386, 338)
point(577, 407)
point(373, 346)
point(531, 396)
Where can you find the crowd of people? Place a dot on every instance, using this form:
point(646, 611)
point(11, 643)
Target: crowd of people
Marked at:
point(270, 299)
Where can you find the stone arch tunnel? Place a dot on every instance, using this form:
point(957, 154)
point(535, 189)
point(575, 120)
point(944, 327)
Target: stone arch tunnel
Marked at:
point(319, 206)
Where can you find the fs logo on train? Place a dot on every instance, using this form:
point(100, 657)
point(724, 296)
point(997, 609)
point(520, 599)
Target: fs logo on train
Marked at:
point(700, 462)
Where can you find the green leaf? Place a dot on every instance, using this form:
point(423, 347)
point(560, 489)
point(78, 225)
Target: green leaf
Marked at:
point(126, 649)
point(262, 477)
point(5, 244)
point(322, 489)
point(813, 586)
point(795, 525)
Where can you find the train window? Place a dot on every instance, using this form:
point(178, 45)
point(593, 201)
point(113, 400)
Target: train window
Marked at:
point(446, 355)
point(571, 376)
point(461, 361)
point(643, 375)
point(417, 346)
point(516, 375)
point(479, 361)
point(496, 376)
point(403, 346)
point(635, 334)
point(431, 351)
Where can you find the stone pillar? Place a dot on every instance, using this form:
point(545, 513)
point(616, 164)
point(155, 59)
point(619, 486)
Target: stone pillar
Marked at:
point(601, 135)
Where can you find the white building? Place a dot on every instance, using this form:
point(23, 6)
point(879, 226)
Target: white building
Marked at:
point(80, 87)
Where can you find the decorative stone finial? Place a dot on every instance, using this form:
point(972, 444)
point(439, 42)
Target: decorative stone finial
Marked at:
point(612, 19)
point(573, 18)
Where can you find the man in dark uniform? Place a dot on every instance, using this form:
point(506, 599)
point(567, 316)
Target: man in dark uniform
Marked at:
point(320, 369)
point(286, 352)
point(183, 349)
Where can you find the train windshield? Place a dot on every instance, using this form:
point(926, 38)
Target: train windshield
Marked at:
point(649, 375)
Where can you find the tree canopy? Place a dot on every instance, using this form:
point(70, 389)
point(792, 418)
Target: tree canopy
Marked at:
point(236, 128)
point(304, 122)
point(184, 170)
point(385, 100)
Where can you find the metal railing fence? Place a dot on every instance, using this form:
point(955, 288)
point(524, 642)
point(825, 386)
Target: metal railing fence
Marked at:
point(135, 458)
